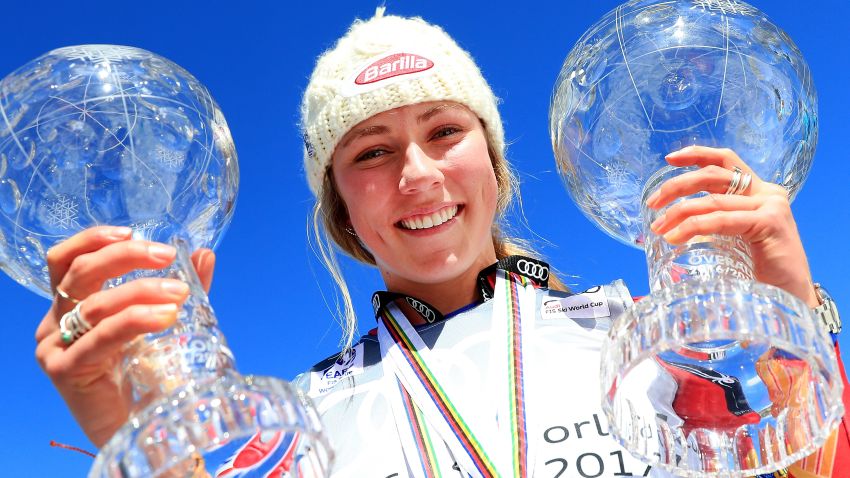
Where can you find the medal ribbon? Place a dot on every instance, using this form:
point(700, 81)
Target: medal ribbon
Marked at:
point(417, 445)
point(415, 391)
point(516, 294)
point(408, 359)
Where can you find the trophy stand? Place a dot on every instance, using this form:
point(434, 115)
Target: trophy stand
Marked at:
point(190, 408)
point(745, 371)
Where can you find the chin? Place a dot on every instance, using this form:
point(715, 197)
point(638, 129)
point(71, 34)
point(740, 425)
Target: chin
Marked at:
point(434, 269)
point(442, 268)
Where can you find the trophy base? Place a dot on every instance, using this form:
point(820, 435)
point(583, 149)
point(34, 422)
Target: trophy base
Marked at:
point(230, 426)
point(720, 378)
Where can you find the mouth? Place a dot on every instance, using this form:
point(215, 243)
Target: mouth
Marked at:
point(431, 220)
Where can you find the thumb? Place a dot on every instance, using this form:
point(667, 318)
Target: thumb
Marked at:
point(204, 262)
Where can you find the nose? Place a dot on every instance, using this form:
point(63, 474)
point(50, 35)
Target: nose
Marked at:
point(420, 172)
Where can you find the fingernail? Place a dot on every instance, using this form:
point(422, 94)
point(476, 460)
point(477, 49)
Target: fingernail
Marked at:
point(658, 222)
point(680, 151)
point(119, 232)
point(162, 251)
point(205, 260)
point(164, 312)
point(671, 237)
point(175, 288)
point(652, 198)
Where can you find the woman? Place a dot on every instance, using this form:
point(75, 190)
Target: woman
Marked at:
point(405, 154)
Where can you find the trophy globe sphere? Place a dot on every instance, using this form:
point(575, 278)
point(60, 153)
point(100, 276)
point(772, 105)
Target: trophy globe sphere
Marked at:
point(108, 135)
point(652, 77)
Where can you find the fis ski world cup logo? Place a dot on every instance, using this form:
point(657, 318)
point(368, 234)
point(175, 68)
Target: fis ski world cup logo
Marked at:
point(348, 364)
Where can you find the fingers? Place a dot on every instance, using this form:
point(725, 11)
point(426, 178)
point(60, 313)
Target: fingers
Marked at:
point(113, 332)
point(757, 219)
point(204, 262)
point(87, 272)
point(118, 316)
point(704, 156)
point(106, 303)
point(760, 215)
point(675, 214)
point(725, 223)
point(83, 371)
point(103, 304)
point(102, 343)
point(718, 212)
point(60, 256)
point(710, 178)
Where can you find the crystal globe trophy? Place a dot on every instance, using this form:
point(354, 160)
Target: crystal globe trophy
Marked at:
point(102, 134)
point(712, 374)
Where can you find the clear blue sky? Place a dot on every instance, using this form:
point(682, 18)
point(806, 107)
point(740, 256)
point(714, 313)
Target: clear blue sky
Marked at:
point(256, 57)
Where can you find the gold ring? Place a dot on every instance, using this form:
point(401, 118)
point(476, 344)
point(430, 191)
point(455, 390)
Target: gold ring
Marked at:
point(61, 293)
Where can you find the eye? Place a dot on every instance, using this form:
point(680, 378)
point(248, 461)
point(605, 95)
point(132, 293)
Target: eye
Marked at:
point(445, 131)
point(370, 154)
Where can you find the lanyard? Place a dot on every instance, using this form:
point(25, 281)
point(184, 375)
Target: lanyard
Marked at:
point(491, 444)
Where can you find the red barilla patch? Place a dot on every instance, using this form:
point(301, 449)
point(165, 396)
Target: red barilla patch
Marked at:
point(393, 65)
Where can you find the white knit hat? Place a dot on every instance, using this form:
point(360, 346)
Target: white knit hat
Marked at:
point(381, 64)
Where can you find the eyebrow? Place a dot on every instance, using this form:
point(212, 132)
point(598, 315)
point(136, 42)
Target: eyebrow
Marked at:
point(362, 132)
point(381, 129)
point(434, 110)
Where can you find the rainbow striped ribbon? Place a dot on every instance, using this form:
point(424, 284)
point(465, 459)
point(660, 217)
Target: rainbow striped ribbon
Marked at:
point(516, 294)
point(421, 404)
point(421, 449)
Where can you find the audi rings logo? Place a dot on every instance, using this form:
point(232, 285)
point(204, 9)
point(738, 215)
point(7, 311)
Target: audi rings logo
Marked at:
point(533, 270)
point(423, 309)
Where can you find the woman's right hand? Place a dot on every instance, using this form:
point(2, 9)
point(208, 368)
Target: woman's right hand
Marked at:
point(84, 371)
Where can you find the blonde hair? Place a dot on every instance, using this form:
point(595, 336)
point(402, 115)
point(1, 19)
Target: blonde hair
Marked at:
point(329, 226)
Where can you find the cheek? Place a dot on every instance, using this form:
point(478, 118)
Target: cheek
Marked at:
point(490, 195)
point(484, 184)
point(364, 202)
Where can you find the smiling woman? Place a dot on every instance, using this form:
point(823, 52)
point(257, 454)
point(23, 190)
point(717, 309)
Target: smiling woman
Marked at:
point(479, 365)
point(420, 162)
point(432, 121)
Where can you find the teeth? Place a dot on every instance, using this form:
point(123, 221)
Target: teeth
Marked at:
point(431, 220)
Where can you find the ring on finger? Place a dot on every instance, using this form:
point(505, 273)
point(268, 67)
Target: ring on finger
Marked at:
point(735, 182)
point(64, 295)
point(746, 179)
point(73, 325)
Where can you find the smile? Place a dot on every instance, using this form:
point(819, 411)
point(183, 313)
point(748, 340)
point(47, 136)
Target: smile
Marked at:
point(427, 221)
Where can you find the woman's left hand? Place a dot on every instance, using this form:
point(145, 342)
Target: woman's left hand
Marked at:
point(761, 215)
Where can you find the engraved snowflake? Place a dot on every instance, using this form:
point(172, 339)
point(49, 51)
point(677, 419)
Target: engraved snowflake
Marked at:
point(617, 175)
point(170, 158)
point(63, 212)
point(100, 53)
point(727, 7)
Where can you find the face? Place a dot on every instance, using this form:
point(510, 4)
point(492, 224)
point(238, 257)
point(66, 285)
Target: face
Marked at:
point(420, 191)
